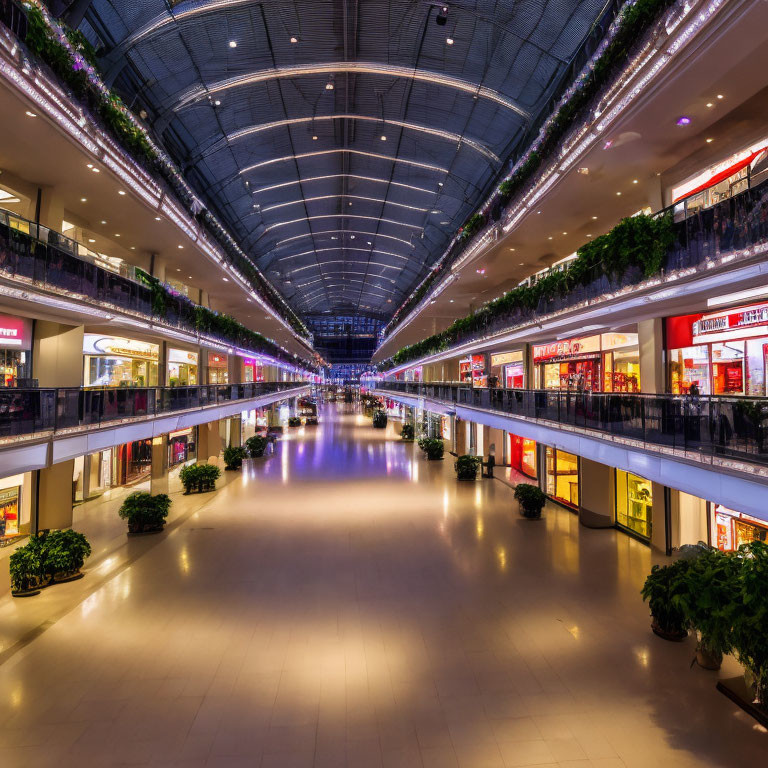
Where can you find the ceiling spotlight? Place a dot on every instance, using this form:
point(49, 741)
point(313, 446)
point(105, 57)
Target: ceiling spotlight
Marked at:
point(178, 269)
point(83, 200)
point(225, 279)
point(217, 102)
point(103, 222)
point(133, 247)
point(719, 95)
point(594, 218)
point(91, 240)
point(351, 237)
point(120, 192)
point(329, 85)
point(608, 144)
point(117, 235)
point(709, 141)
point(710, 104)
point(634, 181)
point(549, 238)
point(370, 243)
point(565, 233)
point(480, 271)
point(90, 165)
point(434, 301)
point(157, 218)
point(180, 247)
point(442, 16)
point(683, 120)
point(389, 301)
point(233, 43)
point(383, 137)
point(314, 138)
point(449, 40)
point(450, 301)
point(294, 39)
point(30, 114)
point(584, 171)
point(95, 170)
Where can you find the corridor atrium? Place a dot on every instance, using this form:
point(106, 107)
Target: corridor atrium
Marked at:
point(383, 383)
point(346, 602)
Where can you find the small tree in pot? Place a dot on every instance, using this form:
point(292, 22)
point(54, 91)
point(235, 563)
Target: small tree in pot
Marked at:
point(531, 500)
point(433, 448)
point(26, 569)
point(294, 421)
point(466, 467)
point(406, 433)
point(144, 512)
point(666, 590)
point(233, 457)
point(380, 419)
point(64, 553)
point(256, 446)
point(199, 477)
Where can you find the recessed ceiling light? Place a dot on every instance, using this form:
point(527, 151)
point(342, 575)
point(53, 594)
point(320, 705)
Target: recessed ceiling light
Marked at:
point(538, 213)
point(314, 138)
point(709, 141)
point(329, 86)
point(178, 269)
point(349, 203)
point(683, 120)
point(383, 137)
point(90, 165)
point(618, 194)
point(370, 243)
point(133, 247)
point(180, 247)
point(594, 218)
point(83, 200)
point(189, 277)
point(225, 279)
point(565, 233)
point(445, 222)
point(294, 39)
point(233, 43)
point(439, 183)
point(710, 104)
point(549, 238)
point(120, 192)
point(217, 103)
point(589, 235)
point(522, 264)
point(449, 40)
point(91, 240)
point(634, 181)
point(103, 222)
point(157, 218)
point(30, 114)
point(117, 235)
point(351, 237)
point(719, 95)
point(389, 301)
point(95, 170)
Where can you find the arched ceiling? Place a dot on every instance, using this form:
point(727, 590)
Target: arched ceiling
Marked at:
point(343, 141)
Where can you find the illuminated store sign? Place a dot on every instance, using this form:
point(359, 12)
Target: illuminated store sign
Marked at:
point(15, 332)
point(746, 321)
point(506, 357)
point(588, 345)
point(182, 356)
point(116, 346)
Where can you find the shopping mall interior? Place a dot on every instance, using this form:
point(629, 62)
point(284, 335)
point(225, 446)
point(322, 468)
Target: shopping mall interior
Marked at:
point(383, 384)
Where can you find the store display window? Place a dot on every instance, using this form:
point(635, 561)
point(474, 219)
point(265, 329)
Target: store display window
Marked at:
point(181, 446)
point(182, 368)
point(634, 503)
point(508, 368)
point(522, 455)
point(730, 529)
point(217, 368)
point(562, 477)
point(15, 350)
point(113, 361)
point(472, 371)
point(252, 370)
point(14, 507)
point(132, 461)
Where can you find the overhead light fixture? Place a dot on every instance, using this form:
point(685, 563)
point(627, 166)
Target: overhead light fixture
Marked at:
point(95, 170)
point(730, 298)
point(449, 40)
point(294, 39)
point(90, 165)
point(120, 192)
point(83, 200)
point(178, 269)
point(314, 138)
point(565, 233)
point(710, 104)
point(719, 95)
point(180, 247)
point(683, 120)
point(434, 301)
point(709, 141)
point(30, 114)
point(329, 85)
point(91, 240)
point(133, 247)
point(480, 271)
point(450, 301)
point(594, 218)
point(549, 238)
point(217, 102)
point(225, 279)
point(618, 194)
point(584, 171)
point(233, 43)
point(103, 222)
point(117, 235)
point(383, 137)
point(157, 218)
point(439, 183)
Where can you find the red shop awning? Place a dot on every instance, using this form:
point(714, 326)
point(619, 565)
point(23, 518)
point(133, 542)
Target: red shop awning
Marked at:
point(722, 176)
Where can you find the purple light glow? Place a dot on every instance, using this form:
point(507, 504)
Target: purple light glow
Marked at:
point(683, 120)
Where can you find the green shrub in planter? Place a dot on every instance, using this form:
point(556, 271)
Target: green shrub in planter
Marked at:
point(145, 512)
point(294, 421)
point(531, 499)
point(711, 602)
point(64, 553)
point(433, 448)
point(233, 457)
point(26, 567)
point(256, 446)
point(466, 467)
point(666, 590)
point(310, 421)
point(407, 432)
point(199, 477)
point(380, 419)
point(750, 628)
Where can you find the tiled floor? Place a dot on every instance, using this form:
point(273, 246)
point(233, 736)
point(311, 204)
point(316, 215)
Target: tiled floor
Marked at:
point(346, 603)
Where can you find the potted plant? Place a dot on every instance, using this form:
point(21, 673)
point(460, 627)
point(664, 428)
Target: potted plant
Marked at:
point(310, 421)
point(406, 433)
point(750, 629)
point(64, 553)
point(199, 477)
point(294, 421)
point(26, 569)
point(233, 457)
point(466, 467)
point(144, 512)
point(666, 589)
point(433, 448)
point(531, 500)
point(256, 446)
point(711, 603)
point(380, 419)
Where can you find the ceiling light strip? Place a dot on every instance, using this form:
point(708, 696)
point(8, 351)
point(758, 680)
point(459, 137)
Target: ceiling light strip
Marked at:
point(376, 156)
point(344, 176)
point(346, 197)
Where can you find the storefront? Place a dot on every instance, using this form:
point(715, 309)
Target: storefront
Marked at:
point(522, 455)
point(508, 368)
point(182, 368)
point(414, 374)
point(181, 446)
point(15, 346)
point(634, 504)
point(253, 370)
point(113, 361)
point(217, 368)
point(562, 477)
point(730, 529)
point(609, 362)
point(720, 353)
point(132, 461)
point(472, 371)
point(10, 508)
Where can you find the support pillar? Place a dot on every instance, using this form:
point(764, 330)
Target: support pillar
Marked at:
point(208, 442)
point(236, 431)
point(597, 501)
point(57, 354)
point(158, 480)
point(54, 496)
point(650, 341)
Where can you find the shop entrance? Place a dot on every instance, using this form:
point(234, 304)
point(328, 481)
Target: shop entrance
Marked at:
point(562, 478)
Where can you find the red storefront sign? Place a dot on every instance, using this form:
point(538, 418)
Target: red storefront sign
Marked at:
point(566, 348)
point(15, 332)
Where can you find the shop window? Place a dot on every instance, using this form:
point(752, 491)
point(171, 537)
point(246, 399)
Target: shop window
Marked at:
point(562, 477)
point(522, 455)
point(687, 366)
point(9, 513)
point(732, 529)
point(634, 503)
point(728, 368)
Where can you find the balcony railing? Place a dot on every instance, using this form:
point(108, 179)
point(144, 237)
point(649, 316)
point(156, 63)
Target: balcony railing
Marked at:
point(27, 412)
point(726, 427)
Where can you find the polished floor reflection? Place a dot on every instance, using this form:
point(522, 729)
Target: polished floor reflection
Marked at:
point(346, 603)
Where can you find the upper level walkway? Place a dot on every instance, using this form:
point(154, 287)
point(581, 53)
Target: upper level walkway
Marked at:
point(702, 444)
